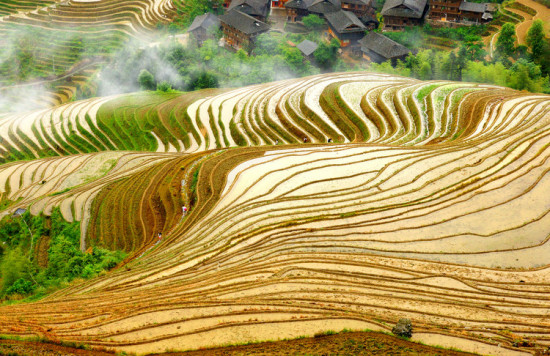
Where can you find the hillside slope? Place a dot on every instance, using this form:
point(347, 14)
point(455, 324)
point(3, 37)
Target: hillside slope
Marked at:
point(430, 203)
point(52, 48)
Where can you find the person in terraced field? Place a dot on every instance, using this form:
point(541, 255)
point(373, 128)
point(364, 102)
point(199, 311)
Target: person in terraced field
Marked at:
point(184, 209)
point(160, 235)
point(329, 140)
point(305, 139)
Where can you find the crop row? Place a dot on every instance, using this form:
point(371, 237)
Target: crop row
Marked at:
point(430, 203)
point(357, 107)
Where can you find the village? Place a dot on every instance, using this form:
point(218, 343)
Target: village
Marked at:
point(354, 24)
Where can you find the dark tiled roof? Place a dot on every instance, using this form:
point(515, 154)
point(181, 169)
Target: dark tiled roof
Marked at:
point(298, 4)
point(325, 6)
point(358, 2)
point(205, 21)
point(19, 212)
point(491, 7)
point(307, 47)
point(369, 19)
point(382, 46)
point(243, 22)
point(404, 8)
point(345, 22)
point(472, 7)
point(251, 7)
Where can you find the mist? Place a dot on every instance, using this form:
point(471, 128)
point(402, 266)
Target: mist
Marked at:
point(120, 75)
point(23, 98)
point(34, 75)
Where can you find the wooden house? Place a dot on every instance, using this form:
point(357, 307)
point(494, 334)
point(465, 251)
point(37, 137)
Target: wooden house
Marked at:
point(324, 7)
point(399, 14)
point(370, 22)
point(378, 48)
point(474, 12)
point(204, 27)
point(445, 10)
point(297, 9)
point(358, 7)
point(278, 3)
point(258, 9)
point(240, 30)
point(346, 27)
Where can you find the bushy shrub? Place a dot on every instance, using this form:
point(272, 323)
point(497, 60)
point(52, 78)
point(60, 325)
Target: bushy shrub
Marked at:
point(313, 22)
point(164, 87)
point(403, 328)
point(146, 80)
point(204, 80)
point(19, 272)
point(12, 268)
point(21, 286)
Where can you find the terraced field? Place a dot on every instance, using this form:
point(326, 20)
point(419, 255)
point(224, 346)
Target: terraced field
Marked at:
point(429, 203)
point(70, 39)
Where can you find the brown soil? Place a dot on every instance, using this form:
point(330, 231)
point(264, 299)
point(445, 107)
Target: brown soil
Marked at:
point(522, 28)
point(353, 343)
point(14, 347)
point(543, 13)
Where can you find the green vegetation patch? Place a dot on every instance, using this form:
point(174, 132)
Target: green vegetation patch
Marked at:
point(39, 254)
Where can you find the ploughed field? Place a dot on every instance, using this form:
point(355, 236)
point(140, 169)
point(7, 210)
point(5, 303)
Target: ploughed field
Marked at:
point(431, 202)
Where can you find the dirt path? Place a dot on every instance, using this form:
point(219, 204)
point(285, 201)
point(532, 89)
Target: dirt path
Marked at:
point(543, 13)
point(522, 28)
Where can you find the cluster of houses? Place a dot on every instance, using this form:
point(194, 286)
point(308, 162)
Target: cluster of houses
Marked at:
point(348, 21)
point(401, 13)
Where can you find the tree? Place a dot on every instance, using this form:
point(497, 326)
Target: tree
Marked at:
point(267, 43)
point(535, 39)
point(204, 80)
point(294, 59)
point(474, 48)
point(313, 22)
point(164, 87)
point(522, 51)
point(146, 80)
point(461, 61)
point(505, 46)
point(425, 71)
point(13, 267)
point(327, 53)
point(525, 75)
point(493, 73)
point(452, 66)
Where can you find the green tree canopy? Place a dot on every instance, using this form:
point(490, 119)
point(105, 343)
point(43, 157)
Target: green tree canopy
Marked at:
point(204, 80)
point(505, 46)
point(146, 80)
point(327, 53)
point(267, 43)
point(164, 87)
point(474, 48)
point(536, 40)
point(313, 22)
point(525, 75)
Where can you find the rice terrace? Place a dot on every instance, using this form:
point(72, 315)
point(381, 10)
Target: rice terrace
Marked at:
point(298, 209)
